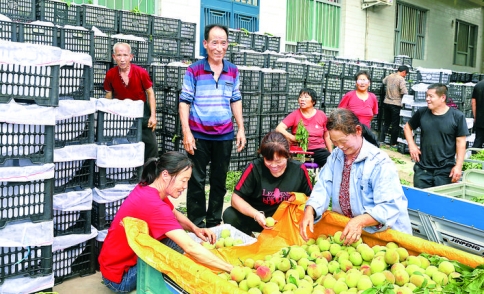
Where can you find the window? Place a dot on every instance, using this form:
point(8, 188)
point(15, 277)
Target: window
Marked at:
point(317, 20)
point(410, 31)
point(465, 41)
point(129, 5)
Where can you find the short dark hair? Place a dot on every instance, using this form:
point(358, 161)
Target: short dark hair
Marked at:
point(363, 72)
point(274, 143)
point(311, 93)
point(440, 89)
point(345, 121)
point(173, 162)
point(209, 27)
point(404, 68)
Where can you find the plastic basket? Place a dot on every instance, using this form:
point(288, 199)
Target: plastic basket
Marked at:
point(332, 97)
point(39, 84)
point(157, 74)
point(165, 27)
point(31, 200)
point(316, 86)
point(377, 74)
point(74, 131)
point(249, 151)
point(18, 10)
point(72, 222)
point(308, 46)
point(314, 73)
point(103, 213)
point(110, 177)
point(259, 42)
point(134, 23)
point(168, 142)
point(149, 280)
point(295, 71)
point(187, 48)
point(334, 83)
point(98, 92)
point(32, 261)
point(164, 59)
point(115, 129)
point(169, 122)
point(248, 58)
point(274, 82)
point(33, 142)
point(140, 49)
point(273, 43)
point(102, 49)
point(74, 175)
point(269, 122)
point(102, 18)
point(75, 82)
point(273, 103)
point(328, 108)
point(250, 80)
point(403, 60)
point(294, 87)
point(77, 40)
point(431, 76)
point(244, 38)
point(188, 30)
point(56, 12)
point(165, 46)
point(171, 99)
point(251, 125)
point(37, 34)
point(77, 260)
point(348, 84)
point(8, 31)
point(238, 164)
point(99, 70)
point(251, 103)
point(335, 68)
point(174, 76)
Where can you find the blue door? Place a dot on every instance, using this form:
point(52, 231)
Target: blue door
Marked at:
point(236, 14)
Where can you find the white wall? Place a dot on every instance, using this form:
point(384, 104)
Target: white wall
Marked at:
point(273, 19)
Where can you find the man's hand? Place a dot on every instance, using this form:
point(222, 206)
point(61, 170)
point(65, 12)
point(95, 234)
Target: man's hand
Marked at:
point(352, 231)
point(414, 153)
point(241, 141)
point(189, 142)
point(152, 123)
point(455, 174)
point(307, 221)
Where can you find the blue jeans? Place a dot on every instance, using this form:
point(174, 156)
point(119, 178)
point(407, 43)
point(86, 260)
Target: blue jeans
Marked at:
point(128, 283)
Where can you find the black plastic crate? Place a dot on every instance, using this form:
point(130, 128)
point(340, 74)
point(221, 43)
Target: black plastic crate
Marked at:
point(169, 122)
point(113, 129)
point(102, 18)
point(187, 48)
point(158, 73)
point(174, 76)
point(249, 151)
point(103, 213)
point(33, 142)
point(402, 60)
point(348, 84)
point(244, 38)
point(165, 27)
point(294, 87)
point(39, 84)
point(57, 12)
point(269, 122)
point(77, 40)
point(376, 87)
point(110, 177)
point(308, 46)
point(171, 99)
point(335, 68)
point(99, 70)
point(164, 59)
point(251, 125)
point(72, 222)
point(139, 49)
point(102, 49)
point(98, 92)
point(37, 34)
point(273, 103)
point(259, 42)
point(295, 71)
point(134, 23)
point(75, 175)
point(8, 31)
point(165, 46)
point(30, 200)
point(250, 80)
point(251, 103)
point(77, 260)
point(332, 97)
point(188, 31)
point(316, 86)
point(351, 69)
point(315, 73)
point(328, 108)
point(377, 74)
point(168, 142)
point(31, 261)
point(98, 245)
point(431, 77)
point(18, 10)
point(334, 83)
point(273, 43)
point(270, 59)
point(292, 103)
point(274, 82)
point(74, 131)
point(75, 82)
point(248, 58)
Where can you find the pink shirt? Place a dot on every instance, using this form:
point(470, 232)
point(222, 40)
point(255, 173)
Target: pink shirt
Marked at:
point(364, 110)
point(316, 126)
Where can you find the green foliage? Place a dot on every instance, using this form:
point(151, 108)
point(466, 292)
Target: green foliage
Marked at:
point(404, 182)
point(245, 31)
point(136, 10)
point(479, 156)
point(232, 180)
point(302, 135)
point(268, 34)
point(397, 160)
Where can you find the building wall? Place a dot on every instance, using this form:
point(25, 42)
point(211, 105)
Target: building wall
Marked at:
point(273, 19)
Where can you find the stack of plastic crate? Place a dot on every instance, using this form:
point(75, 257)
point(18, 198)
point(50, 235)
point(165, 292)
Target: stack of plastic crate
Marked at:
point(27, 119)
point(248, 58)
point(273, 43)
point(259, 42)
point(165, 45)
point(314, 80)
point(403, 60)
point(296, 77)
point(240, 37)
point(188, 31)
point(57, 12)
point(333, 84)
point(270, 58)
point(309, 46)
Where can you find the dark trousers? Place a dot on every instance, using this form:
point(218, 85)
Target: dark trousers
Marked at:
point(217, 153)
point(391, 117)
point(151, 146)
point(479, 140)
point(423, 178)
point(320, 156)
point(240, 221)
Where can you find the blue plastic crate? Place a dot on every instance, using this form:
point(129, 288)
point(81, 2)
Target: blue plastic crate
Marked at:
point(149, 280)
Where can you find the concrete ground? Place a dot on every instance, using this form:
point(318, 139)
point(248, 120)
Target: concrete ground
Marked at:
point(93, 284)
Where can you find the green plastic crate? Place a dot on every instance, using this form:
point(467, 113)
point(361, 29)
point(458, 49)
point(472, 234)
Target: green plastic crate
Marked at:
point(151, 281)
point(472, 185)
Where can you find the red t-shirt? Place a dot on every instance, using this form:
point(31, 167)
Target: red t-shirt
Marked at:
point(316, 126)
point(139, 82)
point(364, 110)
point(143, 203)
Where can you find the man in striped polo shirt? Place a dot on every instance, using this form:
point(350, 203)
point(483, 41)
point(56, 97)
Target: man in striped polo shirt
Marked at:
point(209, 97)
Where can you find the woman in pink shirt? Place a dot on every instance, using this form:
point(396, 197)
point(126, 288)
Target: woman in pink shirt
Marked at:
point(361, 102)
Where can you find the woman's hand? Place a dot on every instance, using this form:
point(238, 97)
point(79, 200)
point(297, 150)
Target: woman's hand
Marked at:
point(206, 235)
point(352, 231)
point(308, 220)
point(260, 218)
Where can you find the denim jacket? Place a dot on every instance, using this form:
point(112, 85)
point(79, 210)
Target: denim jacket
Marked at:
point(374, 189)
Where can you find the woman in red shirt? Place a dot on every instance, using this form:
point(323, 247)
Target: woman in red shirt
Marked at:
point(162, 177)
point(361, 102)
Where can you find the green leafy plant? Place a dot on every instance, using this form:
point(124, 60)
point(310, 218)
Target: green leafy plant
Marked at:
point(268, 34)
point(245, 31)
point(136, 10)
point(302, 135)
point(479, 156)
point(232, 180)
